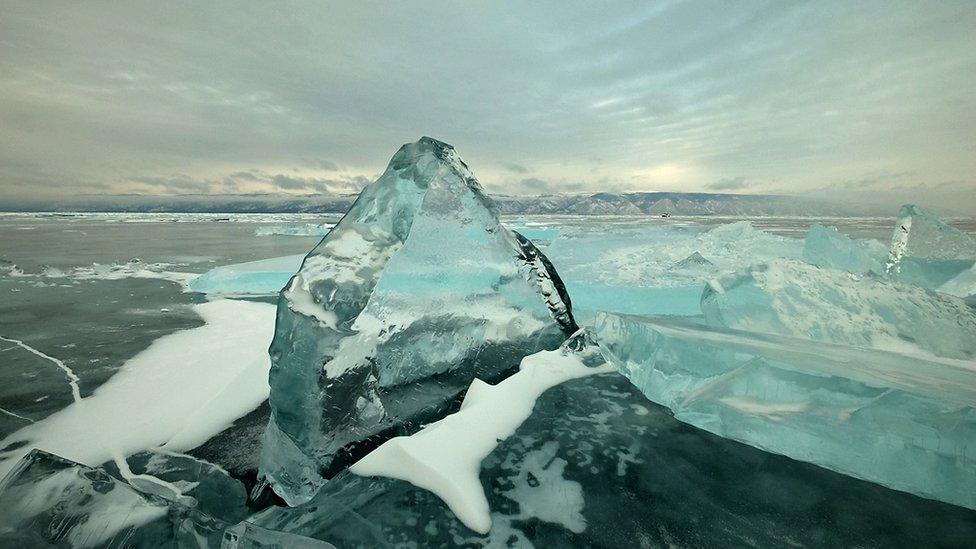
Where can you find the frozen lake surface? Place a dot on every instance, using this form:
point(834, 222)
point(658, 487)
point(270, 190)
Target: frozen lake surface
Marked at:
point(168, 317)
point(94, 290)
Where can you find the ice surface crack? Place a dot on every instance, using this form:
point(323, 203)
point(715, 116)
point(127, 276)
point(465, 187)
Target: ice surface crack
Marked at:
point(68, 372)
point(18, 416)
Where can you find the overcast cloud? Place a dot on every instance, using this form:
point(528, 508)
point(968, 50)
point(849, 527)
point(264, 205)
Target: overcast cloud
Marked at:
point(832, 98)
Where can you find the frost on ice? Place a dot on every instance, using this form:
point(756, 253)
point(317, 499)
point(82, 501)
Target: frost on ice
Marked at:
point(414, 293)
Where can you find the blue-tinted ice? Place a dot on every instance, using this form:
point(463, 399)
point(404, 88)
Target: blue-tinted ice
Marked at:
point(48, 501)
point(656, 269)
point(793, 298)
point(902, 421)
point(926, 251)
point(416, 291)
point(828, 247)
point(264, 277)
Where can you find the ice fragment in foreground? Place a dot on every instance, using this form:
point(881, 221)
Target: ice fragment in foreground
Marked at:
point(902, 421)
point(248, 536)
point(828, 247)
point(926, 251)
point(50, 501)
point(419, 279)
point(797, 299)
point(199, 484)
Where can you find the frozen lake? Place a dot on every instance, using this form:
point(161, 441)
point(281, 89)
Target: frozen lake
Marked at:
point(101, 325)
point(94, 290)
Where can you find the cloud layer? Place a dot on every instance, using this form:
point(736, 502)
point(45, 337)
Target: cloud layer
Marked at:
point(548, 97)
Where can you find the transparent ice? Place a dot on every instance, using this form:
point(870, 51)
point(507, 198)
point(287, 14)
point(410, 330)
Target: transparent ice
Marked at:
point(48, 501)
point(416, 291)
point(264, 277)
point(656, 269)
point(902, 421)
point(828, 247)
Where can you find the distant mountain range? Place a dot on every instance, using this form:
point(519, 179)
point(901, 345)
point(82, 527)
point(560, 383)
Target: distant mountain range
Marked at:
point(637, 203)
point(670, 203)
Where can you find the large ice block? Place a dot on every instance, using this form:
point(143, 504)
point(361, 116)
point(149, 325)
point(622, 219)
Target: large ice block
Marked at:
point(926, 251)
point(828, 247)
point(48, 501)
point(419, 279)
point(793, 298)
point(903, 421)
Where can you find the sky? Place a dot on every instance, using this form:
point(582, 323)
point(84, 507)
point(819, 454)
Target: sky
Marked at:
point(845, 100)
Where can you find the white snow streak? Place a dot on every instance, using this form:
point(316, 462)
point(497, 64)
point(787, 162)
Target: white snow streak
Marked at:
point(445, 457)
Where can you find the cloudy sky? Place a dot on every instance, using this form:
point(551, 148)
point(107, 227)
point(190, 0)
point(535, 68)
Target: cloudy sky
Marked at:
point(852, 100)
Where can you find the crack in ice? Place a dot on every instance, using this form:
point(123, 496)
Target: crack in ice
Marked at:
point(18, 416)
point(68, 372)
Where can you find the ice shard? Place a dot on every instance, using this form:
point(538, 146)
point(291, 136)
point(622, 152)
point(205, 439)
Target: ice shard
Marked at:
point(906, 422)
point(49, 501)
point(926, 251)
point(415, 292)
point(693, 261)
point(793, 298)
point(828, 247)
point(194, 482)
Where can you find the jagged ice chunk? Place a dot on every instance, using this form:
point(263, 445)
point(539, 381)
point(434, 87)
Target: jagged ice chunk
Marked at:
point(926, 251)
point(828, 247)
point(419, 279)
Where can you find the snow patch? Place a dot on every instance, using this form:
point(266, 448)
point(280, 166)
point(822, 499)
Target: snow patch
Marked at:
point(183, 389)
point(445, 457)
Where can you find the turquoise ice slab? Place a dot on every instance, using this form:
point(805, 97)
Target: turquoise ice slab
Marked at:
point(828, 247)
point(598, 465)
point(264, 277)
point(589, 298)
point(902, 421)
